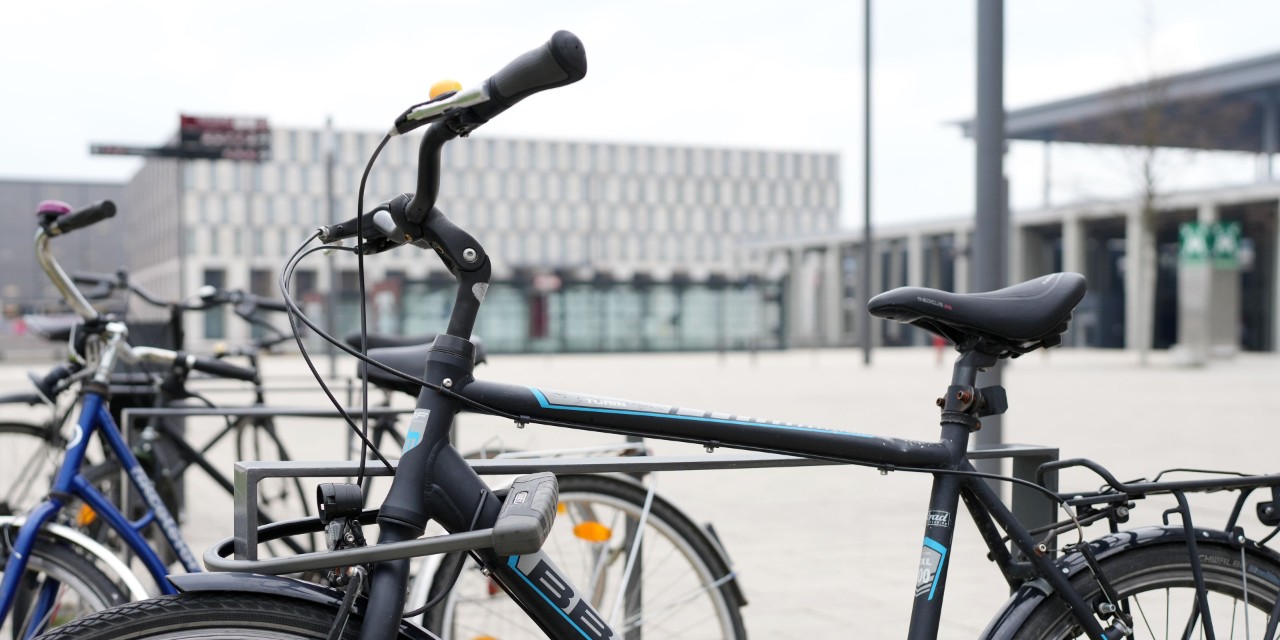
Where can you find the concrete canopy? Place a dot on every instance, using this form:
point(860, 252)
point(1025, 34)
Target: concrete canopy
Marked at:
point(1230, 107)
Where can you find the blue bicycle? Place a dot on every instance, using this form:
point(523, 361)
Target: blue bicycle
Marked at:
point(53, 573)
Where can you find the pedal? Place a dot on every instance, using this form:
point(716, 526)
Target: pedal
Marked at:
point(527, 515)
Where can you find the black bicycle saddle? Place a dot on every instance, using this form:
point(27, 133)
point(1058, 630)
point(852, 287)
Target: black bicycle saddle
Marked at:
point(1006, 322)
point(411, 360)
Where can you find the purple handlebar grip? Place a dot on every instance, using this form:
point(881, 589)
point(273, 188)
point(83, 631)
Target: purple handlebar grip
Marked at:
point(56, 207)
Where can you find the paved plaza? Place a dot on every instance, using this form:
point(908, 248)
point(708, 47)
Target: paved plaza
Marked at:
point(832, 549)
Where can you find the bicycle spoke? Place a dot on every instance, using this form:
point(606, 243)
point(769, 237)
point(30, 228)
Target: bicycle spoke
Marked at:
point(681, 601)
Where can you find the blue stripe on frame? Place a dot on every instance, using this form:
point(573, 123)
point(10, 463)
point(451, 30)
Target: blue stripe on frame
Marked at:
point(936, 546)
point(511, 562)
point(542, 400)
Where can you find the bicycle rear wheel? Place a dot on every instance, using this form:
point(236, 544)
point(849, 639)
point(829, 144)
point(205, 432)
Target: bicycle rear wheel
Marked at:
point(29, 456)
point(677, 586)
point(1155, 586)
point(77, 585)
point(208, 616)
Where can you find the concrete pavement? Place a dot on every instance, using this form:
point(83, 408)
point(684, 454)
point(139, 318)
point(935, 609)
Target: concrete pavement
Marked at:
point(833, 549)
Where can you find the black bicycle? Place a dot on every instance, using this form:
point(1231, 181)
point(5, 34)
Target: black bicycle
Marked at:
point(1181, 579)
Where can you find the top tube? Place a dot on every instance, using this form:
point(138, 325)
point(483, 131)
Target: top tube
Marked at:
point(711, 429)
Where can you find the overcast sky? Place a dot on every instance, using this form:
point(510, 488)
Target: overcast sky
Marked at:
point(771, 74)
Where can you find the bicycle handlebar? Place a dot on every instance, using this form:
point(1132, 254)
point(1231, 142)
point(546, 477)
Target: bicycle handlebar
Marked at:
point(413, 218)
point(61, 223)
point(104, 286)
point(211, 295)
point(212, 366)
point(220, 368)
point(559, 61)
point(56, 218)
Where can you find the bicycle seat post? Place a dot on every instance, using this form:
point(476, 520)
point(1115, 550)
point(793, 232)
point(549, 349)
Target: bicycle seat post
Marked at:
point(965, 371)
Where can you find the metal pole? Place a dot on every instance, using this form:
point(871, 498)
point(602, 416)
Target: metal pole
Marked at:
point(991, 219)
point(1048, 156)
point(330, 304)
point(180, 183)
point(864, 285)
point(990, 239)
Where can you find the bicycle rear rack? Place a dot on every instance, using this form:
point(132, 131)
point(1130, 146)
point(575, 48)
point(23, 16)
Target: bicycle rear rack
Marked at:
point(1030, 506)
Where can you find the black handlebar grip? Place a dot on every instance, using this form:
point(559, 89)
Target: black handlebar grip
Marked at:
point(91, 214)
point(347, 229)
point(50, 384)
point(561, 60)
point(221, 368)
point(271, 305)
point(100, 286)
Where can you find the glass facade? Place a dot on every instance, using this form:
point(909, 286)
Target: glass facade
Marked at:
point(542, 315)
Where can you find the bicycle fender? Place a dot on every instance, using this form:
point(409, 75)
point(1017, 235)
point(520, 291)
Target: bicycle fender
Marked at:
point(1019, 606)
point(90, 547)
point(279, 587)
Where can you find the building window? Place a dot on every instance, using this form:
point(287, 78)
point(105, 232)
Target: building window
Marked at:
point(452, 157)
point(500, 153)
point(560, 156)
point(304, 282)
point(215, 319)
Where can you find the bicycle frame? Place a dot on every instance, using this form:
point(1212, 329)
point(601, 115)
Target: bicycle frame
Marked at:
point(70, 483)
point(550, 599)
point(433, 482)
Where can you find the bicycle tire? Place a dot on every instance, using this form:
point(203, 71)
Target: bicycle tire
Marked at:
point(1155, 584)
point(207, 616)
point(686, 584)
point(29, 457)
point(85, 587)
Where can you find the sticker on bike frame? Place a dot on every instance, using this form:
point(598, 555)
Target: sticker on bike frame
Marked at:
point(170, 526)
point(550, 399)
point(938, 519)
point(931, 558)
point(417, 426)
point(77, 434)
point(539, 572)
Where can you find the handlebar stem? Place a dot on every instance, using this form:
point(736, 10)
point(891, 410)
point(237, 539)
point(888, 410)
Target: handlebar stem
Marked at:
point(116, 333)
point(69, 292)
point(428, 189)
